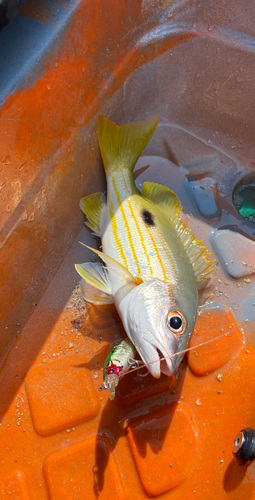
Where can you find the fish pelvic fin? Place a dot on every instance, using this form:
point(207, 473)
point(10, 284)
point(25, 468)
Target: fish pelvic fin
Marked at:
point(95, 274)
point(168, 202)
point(115, 267)
point(121, 146)
point(93, 207)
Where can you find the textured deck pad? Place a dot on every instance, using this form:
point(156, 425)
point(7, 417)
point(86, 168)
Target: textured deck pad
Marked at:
point(63, 63)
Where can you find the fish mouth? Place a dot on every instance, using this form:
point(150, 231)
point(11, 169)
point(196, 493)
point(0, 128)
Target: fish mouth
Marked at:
point(152, 356)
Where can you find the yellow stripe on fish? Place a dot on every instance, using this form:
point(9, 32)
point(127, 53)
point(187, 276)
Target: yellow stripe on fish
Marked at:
point(126, 225)
point(169, 257)
point(119, 246)
point(140, 235)
point(157, 253)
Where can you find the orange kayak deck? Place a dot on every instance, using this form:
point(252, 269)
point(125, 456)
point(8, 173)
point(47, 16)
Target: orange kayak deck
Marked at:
point(169, 438)
point(62, 64)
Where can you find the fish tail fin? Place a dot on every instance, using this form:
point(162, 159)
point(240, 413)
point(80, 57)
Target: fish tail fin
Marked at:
point(121, 146)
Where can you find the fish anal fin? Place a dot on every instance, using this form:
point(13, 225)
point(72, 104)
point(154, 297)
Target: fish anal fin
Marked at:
point(163, 197)
point(93, 207)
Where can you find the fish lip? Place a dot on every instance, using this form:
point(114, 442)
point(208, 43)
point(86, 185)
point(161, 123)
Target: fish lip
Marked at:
point(152, 366)
point(158, 347)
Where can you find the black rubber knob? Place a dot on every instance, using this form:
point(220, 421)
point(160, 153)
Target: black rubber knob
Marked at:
point(244, 446)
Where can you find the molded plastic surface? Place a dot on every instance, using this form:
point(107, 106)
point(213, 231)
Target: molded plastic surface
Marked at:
point(62, 64)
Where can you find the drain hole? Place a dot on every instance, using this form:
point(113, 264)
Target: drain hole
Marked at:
point(244, 199)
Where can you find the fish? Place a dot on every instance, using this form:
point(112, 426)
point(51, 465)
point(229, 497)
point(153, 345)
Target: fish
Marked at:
point(119, 361)
point(152, 264)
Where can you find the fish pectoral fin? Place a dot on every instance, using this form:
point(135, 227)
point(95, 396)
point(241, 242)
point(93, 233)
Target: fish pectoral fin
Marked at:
point(93, 207)
point(115, 267)
point(96, 275)
point(163, 197)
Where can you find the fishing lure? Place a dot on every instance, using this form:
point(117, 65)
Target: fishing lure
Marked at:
point(120, 360)
point(153, 264)
point(120, 363)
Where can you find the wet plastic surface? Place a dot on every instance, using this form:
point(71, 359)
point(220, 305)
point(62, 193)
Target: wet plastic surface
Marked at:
point(62, 436)
point(193, 65)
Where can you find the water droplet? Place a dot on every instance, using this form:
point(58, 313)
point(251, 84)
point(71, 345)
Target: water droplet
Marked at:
point(24, 216)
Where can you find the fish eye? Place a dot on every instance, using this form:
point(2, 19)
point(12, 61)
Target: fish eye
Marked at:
point(176, 322)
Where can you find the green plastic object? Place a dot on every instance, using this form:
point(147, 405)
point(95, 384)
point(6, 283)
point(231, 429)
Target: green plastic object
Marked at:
point(244, 201)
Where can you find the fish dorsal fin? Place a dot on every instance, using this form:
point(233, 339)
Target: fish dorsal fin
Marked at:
point(93, 207)
point(121, 146)
point(197, 253)
point(163, 197)
point(115, 267)
point(168, 202)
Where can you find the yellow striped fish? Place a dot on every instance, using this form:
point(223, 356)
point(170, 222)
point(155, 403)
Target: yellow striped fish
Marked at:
point(153, 263)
